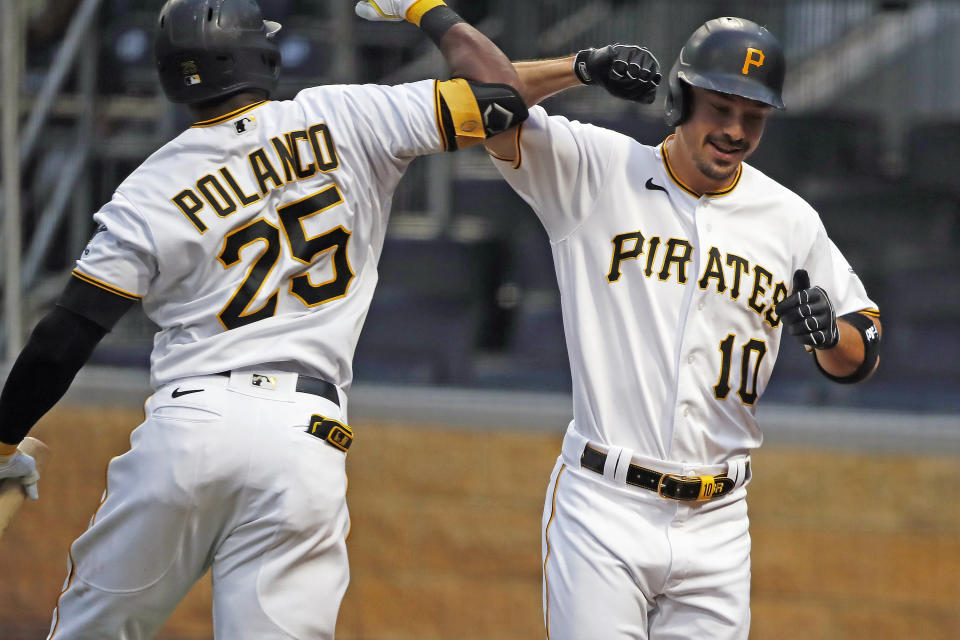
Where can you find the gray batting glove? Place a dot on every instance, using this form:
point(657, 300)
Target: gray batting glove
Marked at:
point(384, 10)
point(24, 467)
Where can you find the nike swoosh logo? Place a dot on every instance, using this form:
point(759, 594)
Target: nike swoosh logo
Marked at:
point(177, 393)
point(654, 187)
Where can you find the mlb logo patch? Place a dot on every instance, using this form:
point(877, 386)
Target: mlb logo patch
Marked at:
point(191, 72)
point(263, 381)
point(245, 124)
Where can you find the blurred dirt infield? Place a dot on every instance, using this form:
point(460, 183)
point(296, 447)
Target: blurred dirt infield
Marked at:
point(445, 542)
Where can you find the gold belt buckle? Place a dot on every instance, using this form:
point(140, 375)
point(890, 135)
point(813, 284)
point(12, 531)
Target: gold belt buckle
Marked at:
point(660, 485)
point(709, 487)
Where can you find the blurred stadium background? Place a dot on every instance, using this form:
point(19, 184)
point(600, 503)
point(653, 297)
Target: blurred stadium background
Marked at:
point(465, 332)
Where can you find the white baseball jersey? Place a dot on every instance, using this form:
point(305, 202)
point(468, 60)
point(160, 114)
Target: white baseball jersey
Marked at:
point(668, 297)
point(274, 214)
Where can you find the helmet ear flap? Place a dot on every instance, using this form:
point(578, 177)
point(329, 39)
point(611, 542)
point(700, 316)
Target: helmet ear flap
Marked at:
point(677, 106)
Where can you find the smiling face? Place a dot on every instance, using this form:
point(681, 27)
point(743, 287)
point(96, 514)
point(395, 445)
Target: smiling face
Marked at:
point(721, 132)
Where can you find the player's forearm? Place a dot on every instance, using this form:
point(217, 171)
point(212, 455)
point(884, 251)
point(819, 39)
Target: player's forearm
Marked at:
point(848, 354)
point(541, 79)
point(472, 56)
point(58, 347)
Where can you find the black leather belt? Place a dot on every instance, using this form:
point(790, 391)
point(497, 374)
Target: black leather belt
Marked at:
point(666, 485)
point(305, 384)
point(318, 387)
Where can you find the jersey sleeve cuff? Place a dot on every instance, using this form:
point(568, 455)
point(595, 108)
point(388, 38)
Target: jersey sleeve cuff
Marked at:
point(517, 158)
point(95, 300)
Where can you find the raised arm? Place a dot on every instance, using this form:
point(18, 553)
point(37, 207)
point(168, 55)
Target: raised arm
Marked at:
point(630, 72)
point(541, 79)
point(486, 88)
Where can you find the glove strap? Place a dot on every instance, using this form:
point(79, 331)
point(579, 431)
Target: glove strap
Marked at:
point(580, 66)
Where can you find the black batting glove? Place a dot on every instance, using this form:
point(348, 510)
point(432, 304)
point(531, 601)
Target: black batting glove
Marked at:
point(808, 314)
point(625, 71)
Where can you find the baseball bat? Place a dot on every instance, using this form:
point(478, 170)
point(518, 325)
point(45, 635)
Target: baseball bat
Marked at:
point(11, 490)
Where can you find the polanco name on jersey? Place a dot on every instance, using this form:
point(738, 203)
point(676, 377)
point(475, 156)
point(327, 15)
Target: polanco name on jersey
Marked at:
point(223, 193)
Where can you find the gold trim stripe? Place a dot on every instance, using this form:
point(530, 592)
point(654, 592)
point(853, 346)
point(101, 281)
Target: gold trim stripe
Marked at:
point(68, 582)
point(546, 556)
point(436, 106)
point(73, 565)
point(519, 158)
point(873, 313)
point(679, 182)
point(105, 286)
point(515, 160)
point(227, 116)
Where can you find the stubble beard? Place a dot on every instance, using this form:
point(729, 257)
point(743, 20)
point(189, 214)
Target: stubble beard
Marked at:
point(713, 171)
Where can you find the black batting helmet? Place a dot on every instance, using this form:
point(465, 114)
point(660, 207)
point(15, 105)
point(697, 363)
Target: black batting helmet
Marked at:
point(730, 55)
point(208, 49)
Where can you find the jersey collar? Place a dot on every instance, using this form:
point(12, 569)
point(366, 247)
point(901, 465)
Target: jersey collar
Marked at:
point(679, 182)
point(227, 116)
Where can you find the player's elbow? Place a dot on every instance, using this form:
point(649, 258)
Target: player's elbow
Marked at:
point(472, 112)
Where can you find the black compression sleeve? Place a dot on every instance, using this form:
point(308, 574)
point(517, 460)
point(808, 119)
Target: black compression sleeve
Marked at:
point(93, 302)
point(58, 347)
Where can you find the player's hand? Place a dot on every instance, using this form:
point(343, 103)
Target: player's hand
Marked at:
point(22, 466)
point(384, 10)
point(625, 71)
point(808, 314)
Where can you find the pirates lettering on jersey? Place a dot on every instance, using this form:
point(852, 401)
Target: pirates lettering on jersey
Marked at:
point(717, 271)
point(271, 167)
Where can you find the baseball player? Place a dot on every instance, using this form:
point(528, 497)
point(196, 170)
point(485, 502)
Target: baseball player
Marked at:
point(252, 240)
point(679, 267)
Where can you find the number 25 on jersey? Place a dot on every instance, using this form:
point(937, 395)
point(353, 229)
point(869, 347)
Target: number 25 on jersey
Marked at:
point(303, 249)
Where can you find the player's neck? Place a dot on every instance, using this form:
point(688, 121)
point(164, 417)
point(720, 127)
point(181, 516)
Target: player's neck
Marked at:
point(684, 167)
point(208, 111)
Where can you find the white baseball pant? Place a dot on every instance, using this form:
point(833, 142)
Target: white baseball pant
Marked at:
point(621, 562)
point(225, 479)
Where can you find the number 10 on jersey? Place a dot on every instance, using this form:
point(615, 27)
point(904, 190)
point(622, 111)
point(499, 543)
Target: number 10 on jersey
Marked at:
point(751, 354)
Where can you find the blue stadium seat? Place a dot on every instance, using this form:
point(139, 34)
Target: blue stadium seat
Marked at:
point(804, 151)
point(920, 358)
point(931, 155)
point(873, 225)
point(428, 314)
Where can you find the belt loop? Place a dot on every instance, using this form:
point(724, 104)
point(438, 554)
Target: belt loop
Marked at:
point(737, 471)
point(623, 464)
point(610, 465)
point(573, 444)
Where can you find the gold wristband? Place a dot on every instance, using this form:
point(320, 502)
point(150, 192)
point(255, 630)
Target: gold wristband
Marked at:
point(417, 9)
point(7, 450)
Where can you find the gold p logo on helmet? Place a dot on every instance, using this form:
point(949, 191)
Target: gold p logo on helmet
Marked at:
point(754, 59)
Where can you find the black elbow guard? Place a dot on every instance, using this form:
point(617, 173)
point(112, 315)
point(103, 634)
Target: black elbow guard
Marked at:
point(871, 349)
point(500, 106)
point(474, 110)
